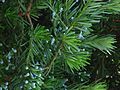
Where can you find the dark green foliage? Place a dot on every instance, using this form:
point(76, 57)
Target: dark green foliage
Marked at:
point(107, 66)
point(47, 44)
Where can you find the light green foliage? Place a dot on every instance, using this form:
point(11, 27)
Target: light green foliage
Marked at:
point(96, 86)
point(77, 60)
point(102, 43)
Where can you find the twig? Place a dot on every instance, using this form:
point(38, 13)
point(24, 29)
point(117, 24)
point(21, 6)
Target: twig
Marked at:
point(49, 66)
point(28, 13)
point(51, 63)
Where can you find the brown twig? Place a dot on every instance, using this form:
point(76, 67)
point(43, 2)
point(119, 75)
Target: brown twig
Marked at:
point(28, 13)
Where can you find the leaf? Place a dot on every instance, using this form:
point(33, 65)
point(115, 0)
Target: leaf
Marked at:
point(40, 33)
point(92, 86)
point(77, 60)
point(103, 43)
point(70, 39)
point(96, 86)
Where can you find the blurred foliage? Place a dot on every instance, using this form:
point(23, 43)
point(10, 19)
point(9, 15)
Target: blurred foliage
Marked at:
point(108, 66)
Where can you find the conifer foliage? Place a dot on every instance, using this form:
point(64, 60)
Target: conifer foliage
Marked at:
point(51, 52)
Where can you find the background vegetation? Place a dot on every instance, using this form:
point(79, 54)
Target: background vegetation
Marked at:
point(59, 45)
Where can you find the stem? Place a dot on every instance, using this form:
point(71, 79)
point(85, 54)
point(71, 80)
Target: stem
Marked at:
point(49, 66)
point(28, 13)
point(56, 15)
point(51, 63)
point(81, 13)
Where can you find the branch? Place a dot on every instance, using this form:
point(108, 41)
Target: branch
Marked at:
point(49, 66)
point(28, 13)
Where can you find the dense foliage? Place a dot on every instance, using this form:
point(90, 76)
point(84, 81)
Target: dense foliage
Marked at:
point(108, 66)
point(57, 44)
